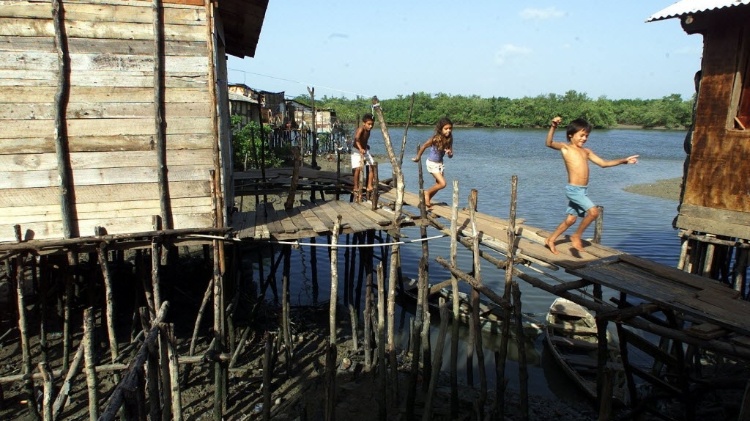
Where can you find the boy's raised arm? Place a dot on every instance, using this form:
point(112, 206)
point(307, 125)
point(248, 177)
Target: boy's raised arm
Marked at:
point(549, 142)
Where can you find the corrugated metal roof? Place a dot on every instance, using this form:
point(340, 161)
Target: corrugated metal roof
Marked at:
point(686, 7)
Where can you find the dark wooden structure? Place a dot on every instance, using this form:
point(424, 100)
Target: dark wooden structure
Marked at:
point(714, 213)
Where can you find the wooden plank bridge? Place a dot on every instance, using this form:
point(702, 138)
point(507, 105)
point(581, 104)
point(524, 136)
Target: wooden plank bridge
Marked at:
point(710, 315)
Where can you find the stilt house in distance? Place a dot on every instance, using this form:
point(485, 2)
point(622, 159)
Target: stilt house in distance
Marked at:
point(714, 213)
point(116, 111)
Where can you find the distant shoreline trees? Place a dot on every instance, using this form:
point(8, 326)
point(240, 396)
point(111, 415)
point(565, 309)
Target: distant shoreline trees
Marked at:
point(669, 112)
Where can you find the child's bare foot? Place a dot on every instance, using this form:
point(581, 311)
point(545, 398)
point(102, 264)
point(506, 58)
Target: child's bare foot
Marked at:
point(550, 245)
point(427, 203)
point(576, 240)
point(415, 159)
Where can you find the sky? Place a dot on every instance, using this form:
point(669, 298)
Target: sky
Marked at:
point(488, 48)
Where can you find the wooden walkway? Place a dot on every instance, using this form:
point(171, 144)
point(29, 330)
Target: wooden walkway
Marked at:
point(716, 308)
point(717, 314)
point(312, 219)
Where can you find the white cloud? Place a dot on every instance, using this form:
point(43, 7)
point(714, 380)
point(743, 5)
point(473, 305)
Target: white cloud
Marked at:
point(508, 51)
point(541, 14)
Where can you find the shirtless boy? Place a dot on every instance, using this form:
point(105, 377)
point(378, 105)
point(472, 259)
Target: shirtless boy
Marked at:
point(576, 159)
point(361, 153)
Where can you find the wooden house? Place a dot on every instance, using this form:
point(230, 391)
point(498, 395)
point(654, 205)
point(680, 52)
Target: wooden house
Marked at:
point(116, 111)
point(243, 102)
point(714, 213)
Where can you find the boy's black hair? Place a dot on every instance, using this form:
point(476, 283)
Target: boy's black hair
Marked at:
point(367, 117)
point(577, 125)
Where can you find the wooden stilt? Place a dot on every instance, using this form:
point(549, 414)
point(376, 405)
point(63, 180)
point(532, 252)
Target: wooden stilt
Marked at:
point(455, 305)
point(152, 364)
point(69, 278)
point(330, 382)
point(62, 396)
point(48, 390)
point(382, 371)
point(268, 375)
point(285, 300)
point(369, 320)
point(109, 301)
point(196, 326)
point(523, 372)
point(219, 392)
point(314, 270)
point(427, 415)
point(477, 270)
point(23, 330)
point(334, 279)
point(90, 362)
point(502, 354)
point(174, 373)
point(131, 378)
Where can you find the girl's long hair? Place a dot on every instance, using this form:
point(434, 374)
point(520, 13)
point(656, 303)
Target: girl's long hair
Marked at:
point(438, 140)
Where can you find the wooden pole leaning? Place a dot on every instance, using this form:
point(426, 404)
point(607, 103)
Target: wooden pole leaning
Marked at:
point(130, 378)
point(398, 178)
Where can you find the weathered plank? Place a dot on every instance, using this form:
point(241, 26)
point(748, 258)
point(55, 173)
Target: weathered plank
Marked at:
point(88, 160)
point(100, 94)
point(93, 176)
point(102, 193)
point(45, 144)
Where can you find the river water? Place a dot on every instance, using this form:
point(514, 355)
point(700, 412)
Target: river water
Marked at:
point(485, 160)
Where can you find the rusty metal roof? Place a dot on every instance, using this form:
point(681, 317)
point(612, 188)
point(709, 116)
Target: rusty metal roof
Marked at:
point(686, 7)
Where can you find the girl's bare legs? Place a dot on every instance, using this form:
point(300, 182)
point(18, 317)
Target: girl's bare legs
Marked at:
point(429, 193)
point(564, 225)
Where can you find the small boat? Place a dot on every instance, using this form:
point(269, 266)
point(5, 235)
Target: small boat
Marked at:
point(491, 315)
point(571, 336)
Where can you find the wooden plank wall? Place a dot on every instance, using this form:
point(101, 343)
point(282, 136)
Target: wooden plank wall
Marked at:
point(110, 116)
point(718, 180)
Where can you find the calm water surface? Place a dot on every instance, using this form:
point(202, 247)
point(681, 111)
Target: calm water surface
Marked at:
point(485, 160)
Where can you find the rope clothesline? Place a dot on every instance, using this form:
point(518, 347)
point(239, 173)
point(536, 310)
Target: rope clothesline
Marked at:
point(298, 243)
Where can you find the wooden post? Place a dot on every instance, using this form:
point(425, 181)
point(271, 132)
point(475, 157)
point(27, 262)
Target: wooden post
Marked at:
point(368, 319)
point(455, 304)
point(160, 123)
point(398, 178)
point(330, 382)
point(475, 305)
point(501, 355)
point(314, 162)
point(375, 194)
point(48, 390)
point(23, 330)
point(289, 204)
point(67, 335)
point(174, 372)
point(523, 372)
point(196, 326)
point(62, 395)
point(268, 374)
point(382, 371)
point(219, 392)
point(62, 150)
point(427, 415)
point(90, 363)
point(598, 225)
point(285, 304)
point(109, 300)
point(334, 279)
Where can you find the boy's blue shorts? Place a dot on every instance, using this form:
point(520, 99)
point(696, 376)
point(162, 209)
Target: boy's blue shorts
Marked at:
point(578, 200)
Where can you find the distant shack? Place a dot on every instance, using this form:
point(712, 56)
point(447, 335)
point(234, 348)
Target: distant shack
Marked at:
point(714, 213)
